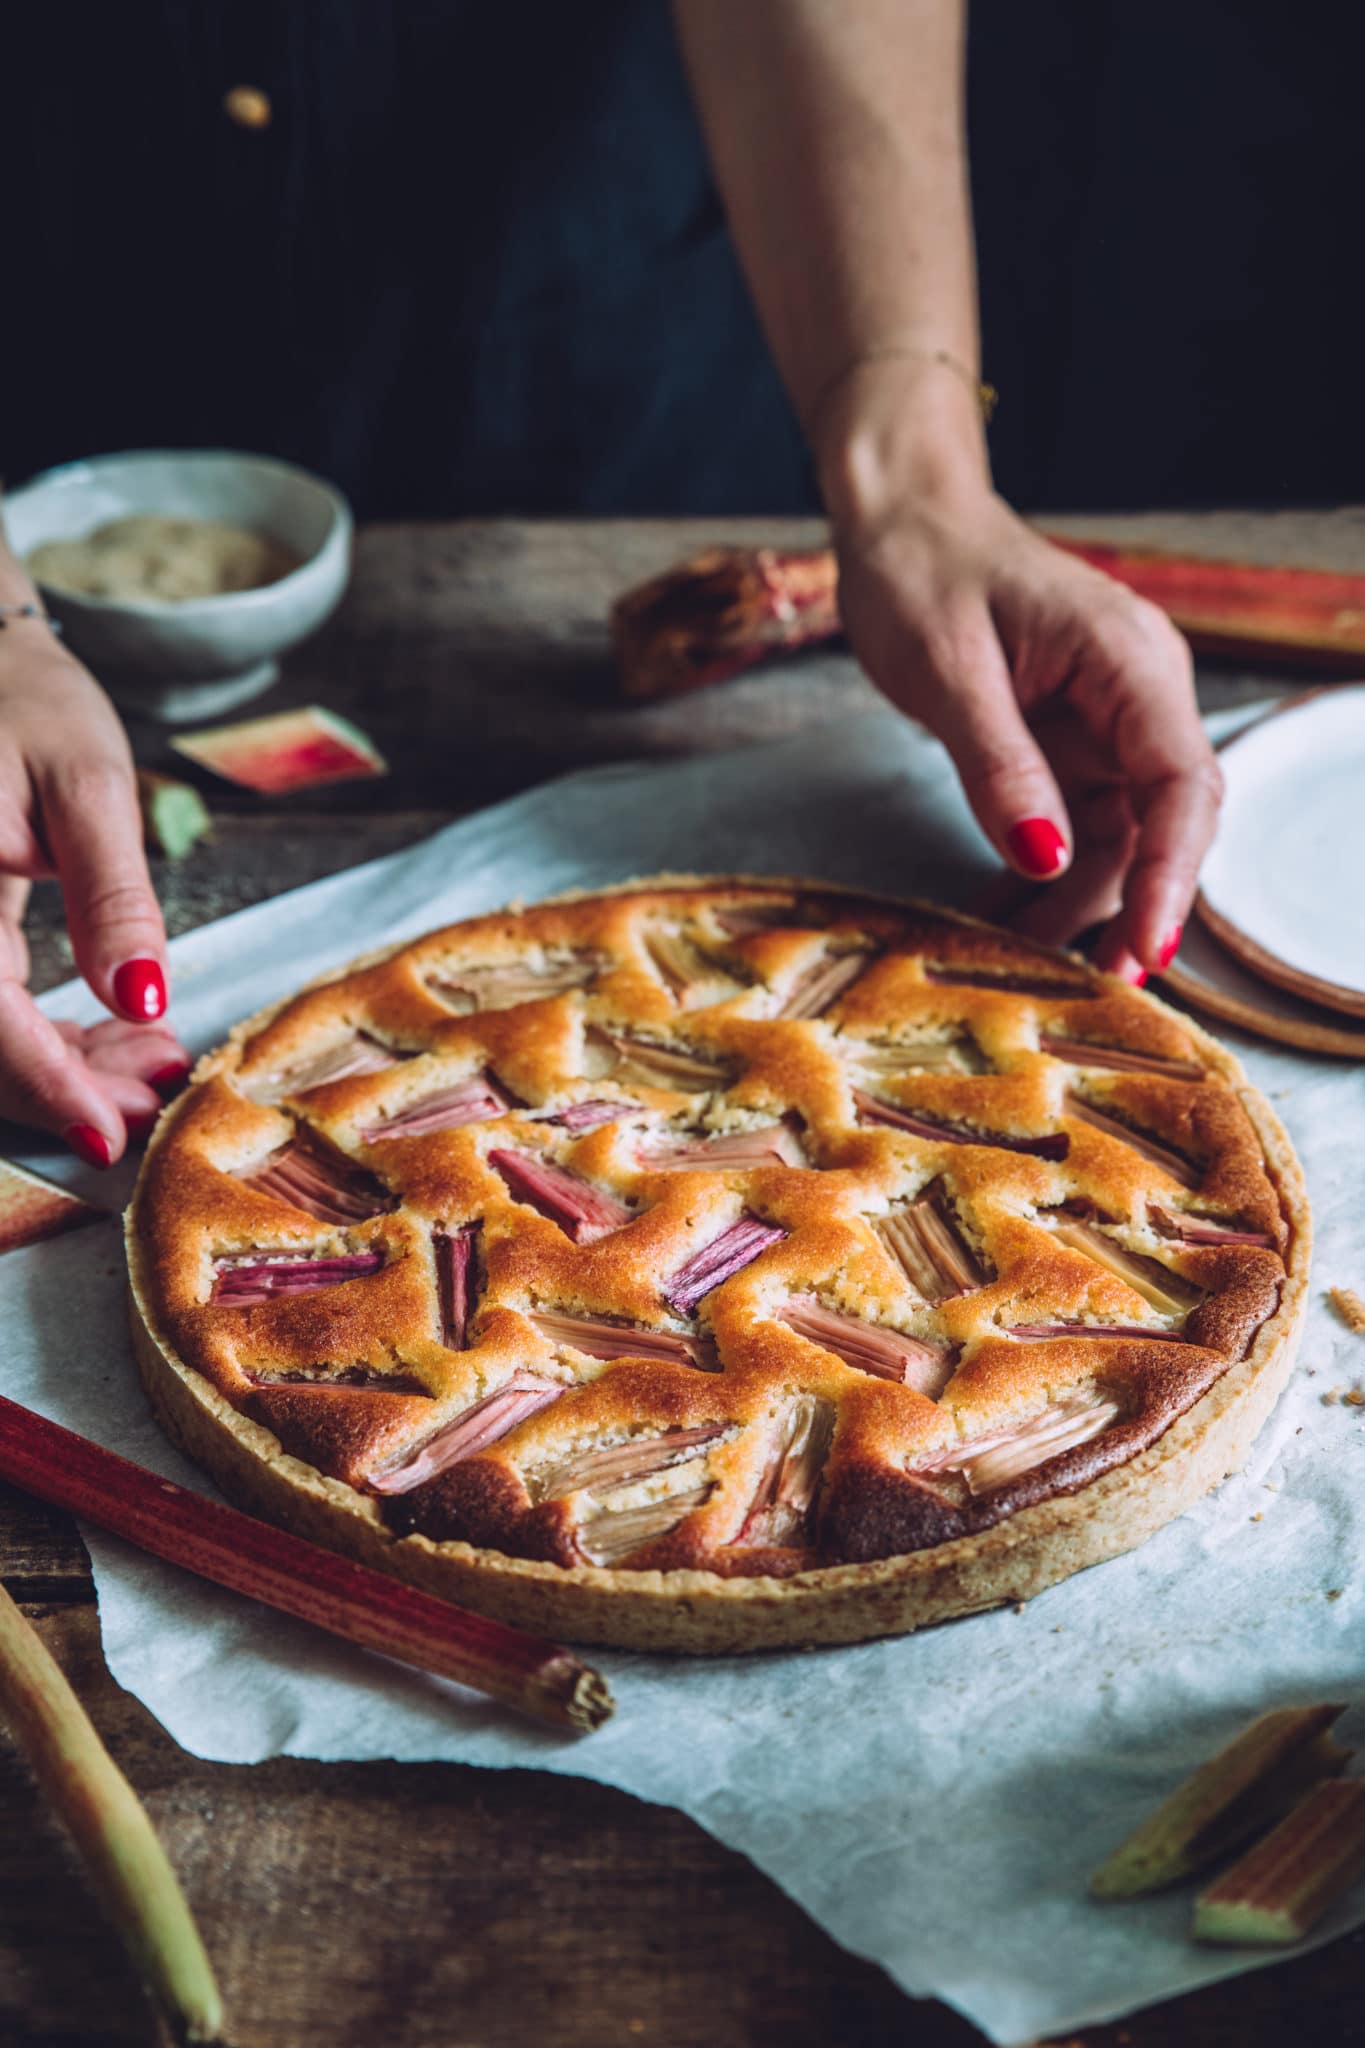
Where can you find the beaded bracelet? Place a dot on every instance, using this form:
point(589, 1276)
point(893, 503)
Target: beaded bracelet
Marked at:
point(26, 611)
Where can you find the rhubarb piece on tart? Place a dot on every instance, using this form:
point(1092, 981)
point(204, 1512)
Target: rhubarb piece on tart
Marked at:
point(721, 1264)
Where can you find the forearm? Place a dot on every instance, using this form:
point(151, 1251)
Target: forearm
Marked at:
point(836, 134)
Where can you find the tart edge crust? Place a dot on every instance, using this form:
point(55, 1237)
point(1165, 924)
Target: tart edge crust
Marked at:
point(700, 1613)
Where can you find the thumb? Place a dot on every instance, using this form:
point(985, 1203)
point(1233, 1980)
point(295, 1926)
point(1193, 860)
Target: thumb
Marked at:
point(1005, 775)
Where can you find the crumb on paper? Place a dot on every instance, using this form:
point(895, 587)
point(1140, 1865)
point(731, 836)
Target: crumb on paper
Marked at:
point(1260, 1517)
point(1331, 1397)
point(1335, 1592)
point(1348, 1306)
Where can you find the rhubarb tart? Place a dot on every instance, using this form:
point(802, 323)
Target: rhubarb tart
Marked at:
point(715, 1265)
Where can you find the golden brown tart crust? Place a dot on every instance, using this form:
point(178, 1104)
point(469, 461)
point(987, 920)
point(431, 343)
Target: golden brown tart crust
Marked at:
point(719, 1264)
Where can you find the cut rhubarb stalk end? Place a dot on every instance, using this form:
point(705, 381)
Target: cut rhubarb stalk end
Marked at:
point(1166, 1157)
point(504, 984)
point(307, 1175)
point(721, 614)
point(1283, 1886)
point(1155, 1282)
point(583, 1212)
point(1235, 1795)
point(924, 1240)
point(242, 1282)
point(726, 1255)
point(770, 1145)
point(818, 987)
point(646, 1064)
point(780, 1510)
point(870, 1347)
point(484, 1423)
point(587, 1116)
point(596, 1337)
point(476, 1101)
point(1188, 1229)
point(32, 1208)
point(286, 751)
point(1038, 1333)
point(610, 1534)
point(453, 1252)
point(608, 1468)
point(872, 1110)
point(946, 974)
point(1006, 1454)
point(358, 1054)
point(959, 1054)
point(1118, 1059)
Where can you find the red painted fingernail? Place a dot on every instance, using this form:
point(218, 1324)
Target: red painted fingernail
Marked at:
point(89, 1144)
point(140, 1121)
point(166, 1078)
point(1133, 972)
point(140, 990)
point(1170, 946)
point(1038, 846)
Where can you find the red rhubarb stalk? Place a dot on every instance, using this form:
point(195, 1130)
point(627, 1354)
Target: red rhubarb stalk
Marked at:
point(726, 1255)
point(1151, 1279)
point(475, 1101)
point(241, 1283)
point(453, 1251)
point(483, 1423)
point(869, 1347)
point(1203, 1230)
point(323, 1183)
point(247, 1556)
point(359, 1054)
point(597, 1338)
point(582, 1211)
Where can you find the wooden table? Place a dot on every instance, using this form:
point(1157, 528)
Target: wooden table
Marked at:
point(435, 1906)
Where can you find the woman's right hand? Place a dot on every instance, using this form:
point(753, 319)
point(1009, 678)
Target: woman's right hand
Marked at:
point(68, 809)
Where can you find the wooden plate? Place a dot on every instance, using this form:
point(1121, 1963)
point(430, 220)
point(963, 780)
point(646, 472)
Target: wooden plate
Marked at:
point(1211, 981)
point(1282, 885)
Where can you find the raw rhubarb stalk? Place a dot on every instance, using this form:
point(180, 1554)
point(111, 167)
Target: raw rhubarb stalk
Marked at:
point(1151, 1279)
point(1245, 1788)
point(661, 1066)
point(1117, 1059)
point(32, 1208)
point(780, 1509)
point(720, 614)
point(770, 1145)
point(598, 1338)
point(818, 987)
point(241, 1283)
point(870, 1347)
point(286, 751)
point(505, 983)
point(582, 1211)
point(174, 816)
point(1283, 1886)
point(320, 1182)
point(453, 1252)
point(483, 1423)
point(1165, 1156)
point(474, 1101)
point(1187, 1229)
point(1053, 1145)
point(247, 1556)
point(947, 974)
point(607, 1468)
point(586, 1116)
point(736, 1247)
point(924, 1240)
point(1037, 1333)
point(1005, 1454)
point(609, 1534)
point(125, 1862)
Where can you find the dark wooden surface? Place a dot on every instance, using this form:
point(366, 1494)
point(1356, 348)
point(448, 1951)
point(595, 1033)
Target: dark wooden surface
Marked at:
point(406, 1906)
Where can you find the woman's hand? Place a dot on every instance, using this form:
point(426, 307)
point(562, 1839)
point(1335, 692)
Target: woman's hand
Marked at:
point(68, 807)
point(1066, 702)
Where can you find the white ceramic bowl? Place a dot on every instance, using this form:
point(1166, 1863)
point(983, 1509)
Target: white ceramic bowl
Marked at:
point(192, 659)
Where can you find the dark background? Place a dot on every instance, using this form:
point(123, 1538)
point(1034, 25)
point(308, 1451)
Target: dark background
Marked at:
point(475, 264)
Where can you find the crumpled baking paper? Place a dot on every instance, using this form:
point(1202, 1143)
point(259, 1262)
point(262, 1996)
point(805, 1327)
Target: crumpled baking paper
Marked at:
point(935, 1802)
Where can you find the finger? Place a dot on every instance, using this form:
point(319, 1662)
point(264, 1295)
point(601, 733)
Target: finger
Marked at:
point(1005, 776)
point(93, 831)
point(1178, 821)
point(138, 1104)
point(1091, 892)
point(143, 1052)
point(44, 1083)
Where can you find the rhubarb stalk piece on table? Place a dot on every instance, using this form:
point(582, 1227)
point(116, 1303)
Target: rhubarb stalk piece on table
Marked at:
point(285, 751)
point(870, 1347)
point(269, 1276)
point(126, 1863)
point(769, 1145)
point(582, 1211)
point(992, 1460)
point(736, 1247)
point(1165, 1156)
point(923, 1238)
point(596, 1337)
point(321, 1182)
point(1283, 1886)
point(475, 1429)
point(32, 1208)
point(941, 1130)
point(779, 1512)
point(474, 1101)
point(1244, 1789)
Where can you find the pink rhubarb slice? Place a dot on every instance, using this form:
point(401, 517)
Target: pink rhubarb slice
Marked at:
point(241, 1283)
point(482, 1424)
point(582, 1211)
point(819, 986)
point(736, 1247)
point(453, 1251)
point(1117, 1059)
point(503, 984)
point(1176, 1164)
point(598, 1338)
point(587, 1116)
point(321, 1182)
point(870, 1347)
point(606, 1468)
point(1005, 1454)
point(1187, 1229)
point(32, 1208)
point(284, 751)
point(474, 1101)
point(769, 1145)
point(923, 1238)
point(779, 1511)
point(872, 1110)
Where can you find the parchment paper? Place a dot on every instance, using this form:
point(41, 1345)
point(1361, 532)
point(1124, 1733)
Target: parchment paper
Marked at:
point(935, 1802)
